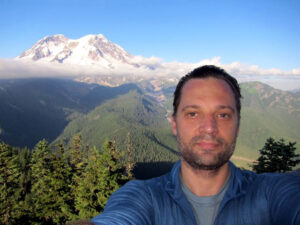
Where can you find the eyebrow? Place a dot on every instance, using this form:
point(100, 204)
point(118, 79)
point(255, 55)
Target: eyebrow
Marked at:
point(198, 107)
point(190, 106)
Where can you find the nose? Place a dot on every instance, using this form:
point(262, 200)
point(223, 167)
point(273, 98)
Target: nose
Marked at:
point(208, 125)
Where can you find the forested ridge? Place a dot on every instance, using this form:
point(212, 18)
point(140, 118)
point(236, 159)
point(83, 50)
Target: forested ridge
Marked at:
point(142, 116)
point(55, 186)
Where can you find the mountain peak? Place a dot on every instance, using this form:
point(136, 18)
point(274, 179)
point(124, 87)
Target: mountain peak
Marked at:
point(56, 37)
point(45, 47)
point(92, 37)
point(55, 40)
point(88, 50)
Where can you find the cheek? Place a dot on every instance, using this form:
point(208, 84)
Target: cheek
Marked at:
point(228, 131)
point(187, 131)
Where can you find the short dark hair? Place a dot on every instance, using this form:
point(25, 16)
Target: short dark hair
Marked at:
point(205, 72)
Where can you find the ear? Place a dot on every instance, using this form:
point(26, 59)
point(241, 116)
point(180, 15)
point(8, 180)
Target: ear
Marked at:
point(174, 126)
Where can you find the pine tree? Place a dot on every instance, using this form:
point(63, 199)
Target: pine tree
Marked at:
point(61, 180)
point(276, 156)
point(76, 154)
point(103, 175)
point(78, 162)
point(9, 185)
point(50, 185)
point(24, 157)
point(40, 167)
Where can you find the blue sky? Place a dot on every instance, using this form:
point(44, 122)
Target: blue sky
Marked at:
point(264, 33)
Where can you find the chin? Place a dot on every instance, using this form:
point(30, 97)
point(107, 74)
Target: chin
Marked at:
point(205, 162)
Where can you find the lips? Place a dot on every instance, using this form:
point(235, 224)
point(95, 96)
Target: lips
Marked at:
point(207, 142)
point(207, 145)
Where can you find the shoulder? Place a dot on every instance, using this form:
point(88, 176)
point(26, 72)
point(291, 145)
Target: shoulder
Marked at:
point(281, 184)
point(271, 182)
point(269, 198)
point(278, 181)
point(282, 191)
point(247, 177)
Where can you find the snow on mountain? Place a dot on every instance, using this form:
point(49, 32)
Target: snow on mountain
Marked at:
point(94, 55)
point(90, 59)
point(88, 50)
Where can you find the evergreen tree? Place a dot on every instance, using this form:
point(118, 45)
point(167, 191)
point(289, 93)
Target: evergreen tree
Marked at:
point(76, 154)
point(24, 157)
point(55, 187)
point(61, 180)
point(103, 175)
point(40, 167)
point(276, 156)
point(78, 162)
point(50, 186)
point(9, 185)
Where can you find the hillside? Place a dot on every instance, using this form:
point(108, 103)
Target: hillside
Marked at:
point(267, 112)
point(33, 109)
point(135, 114)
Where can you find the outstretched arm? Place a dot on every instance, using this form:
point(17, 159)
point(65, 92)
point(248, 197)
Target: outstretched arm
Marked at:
point(131, 204)
point(285, 200)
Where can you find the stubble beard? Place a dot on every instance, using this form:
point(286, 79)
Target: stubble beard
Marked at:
point(195, 160)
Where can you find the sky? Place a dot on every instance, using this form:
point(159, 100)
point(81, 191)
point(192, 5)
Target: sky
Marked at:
point(263, 34)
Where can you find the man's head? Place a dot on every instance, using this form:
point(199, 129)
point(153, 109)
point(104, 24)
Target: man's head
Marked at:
point(206, 117)
point(205, 72)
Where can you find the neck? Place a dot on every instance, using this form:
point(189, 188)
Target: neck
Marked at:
point(204, 182)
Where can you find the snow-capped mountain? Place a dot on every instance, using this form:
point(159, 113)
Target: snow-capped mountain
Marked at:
point(91, 59)
point(94, 59)
point(88, 50)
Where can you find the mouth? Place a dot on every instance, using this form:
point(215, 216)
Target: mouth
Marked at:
point(207, 145)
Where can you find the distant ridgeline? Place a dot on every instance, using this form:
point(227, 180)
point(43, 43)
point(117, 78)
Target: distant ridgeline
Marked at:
point(57, 109)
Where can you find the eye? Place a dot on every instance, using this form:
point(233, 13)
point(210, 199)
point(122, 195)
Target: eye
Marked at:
point(224, 115)
point(191, 114)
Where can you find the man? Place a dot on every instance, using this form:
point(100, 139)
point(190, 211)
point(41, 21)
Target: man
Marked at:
point(204, 187)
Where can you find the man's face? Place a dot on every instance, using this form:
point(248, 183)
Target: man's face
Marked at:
point(206, 123)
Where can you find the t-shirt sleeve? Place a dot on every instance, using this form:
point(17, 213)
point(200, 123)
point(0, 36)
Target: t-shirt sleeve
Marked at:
point(131, 204)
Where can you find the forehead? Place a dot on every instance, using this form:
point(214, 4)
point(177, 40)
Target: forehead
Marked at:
point(207, 89)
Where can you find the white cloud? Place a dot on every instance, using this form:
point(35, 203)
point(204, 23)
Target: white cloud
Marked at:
point(296, 71)
point(150, 67)
point(146, 61)
point(12, 68)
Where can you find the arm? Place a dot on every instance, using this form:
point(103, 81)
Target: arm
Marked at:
point(285, 200)
point(130, 204)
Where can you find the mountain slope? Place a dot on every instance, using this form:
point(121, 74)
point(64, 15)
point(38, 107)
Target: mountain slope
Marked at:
point(132, 113)
point(267, 112)
point(33, 109)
